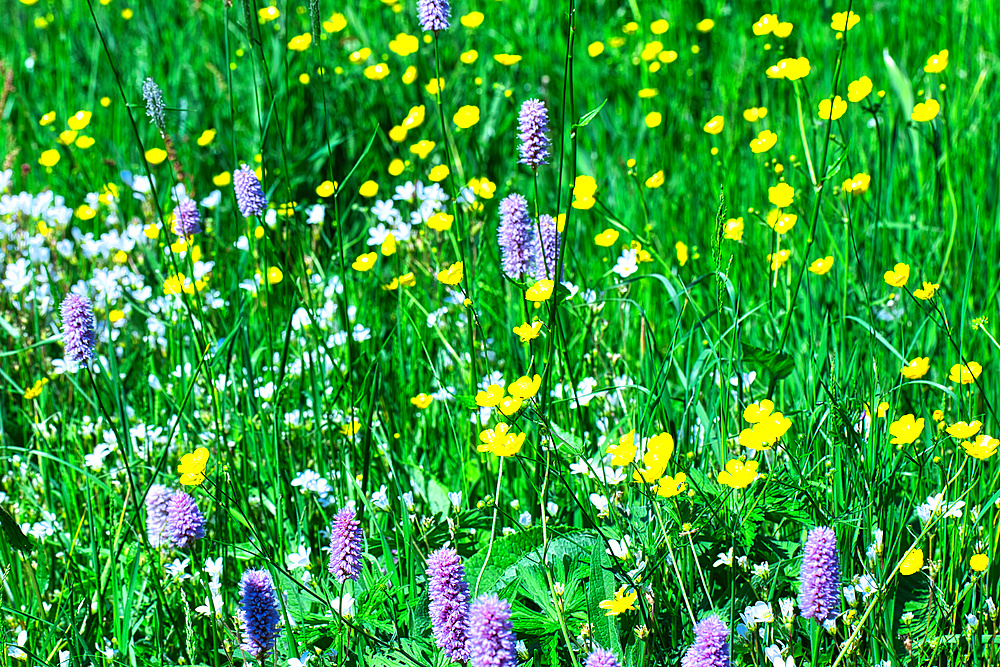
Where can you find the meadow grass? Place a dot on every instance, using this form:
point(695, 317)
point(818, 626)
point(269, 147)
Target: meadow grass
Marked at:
point(322, 365)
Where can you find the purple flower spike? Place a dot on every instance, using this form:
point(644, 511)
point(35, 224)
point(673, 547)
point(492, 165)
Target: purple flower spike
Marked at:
point(157, 503)
point(345, 546)
point(710, 648)
point(546, 248)
point(185, 522)
point(433, 14)
point(249, 197)
point(491, 634)
point(516, 236)
point(259, 613)
point(187, 220)
point(819, 594)
point(79, 335)
point(533, 122)
point(601, 658)
point(449, 608)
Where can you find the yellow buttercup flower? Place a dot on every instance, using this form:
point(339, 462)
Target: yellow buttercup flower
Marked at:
point(983, 448)
point(668, 487)
point(822, 265)
point(439, 173)
point(452, 275)
point(765, 25)
point(841, 22)
point(778, 259)
point(979, 562)
point(529, 331)
point(509, 405)
point(838, 107)
point(422, 401)
point(364, 261)
point(758, 412)
point(783, 29)
point(300, 42)
point(472, 19)
point(937, 63)
point(859, 90)
point(924, 112)
point(656, 180)
point(326, 188)
point(607, 238)
point(927, 292)
point(525, 387)
point(659, 27)
point(653, 119)
point(753, 114)
point(49, 158)
point(965, 373)
point(905, 430)
point(764, 142)
point(440, 221)
point(781, 195)
point(274, 275)
point(404, 45)
point(507, 59)
point(491, 397)
point(912, 563)
point(715, 125)
point(858, 185)
point(192, 467)
point(376, 72)
point(734, 229)
point(500, 441)
point(917, 368)
point(622, 601)
point(964, 431)
point(388, 246)
point(898, 276)
point(781, 223)
point(79, 120)
point(738, 474)
point(466, 116)
point(422, 148)
point(156, 155)
point(540, 291)
point(705, 26)
point(368, 189)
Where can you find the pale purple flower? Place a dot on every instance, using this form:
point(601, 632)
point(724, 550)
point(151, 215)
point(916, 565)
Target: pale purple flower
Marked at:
point(433, 14)
point(187, 219)
point(491, 634)
point(516, 236)
point(249, 196)
point(258, 614)
point(79, 335)
point(710, 647)
point(157, 500)
point(449, 603)
point(601, 658)
point(345, 546)
point(546, 248)
point(185, 522)
point(533, 122)
point(820, 582)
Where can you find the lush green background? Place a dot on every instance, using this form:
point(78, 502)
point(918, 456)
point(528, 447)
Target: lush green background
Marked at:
point(823, 347)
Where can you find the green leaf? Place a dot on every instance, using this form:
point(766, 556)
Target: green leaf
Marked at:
point(514, 553)
point(602, 587)
point(778, 364)
point(13, 532)
point(590, 115)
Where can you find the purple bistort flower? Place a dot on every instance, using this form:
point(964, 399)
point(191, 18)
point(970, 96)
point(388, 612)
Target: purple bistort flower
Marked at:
point(491, 634)
point(601, 658)
point(819, 594)
point(185, 522)
point(345, 546)
point(516, 236)
point(449, 606)
point(546, 248)
point(79, 335)
point(433, 14)
point(258, 613)
point(710, 648)
point(249, 197)
point(157, 512)
point(187, 219)
point(533, 122)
